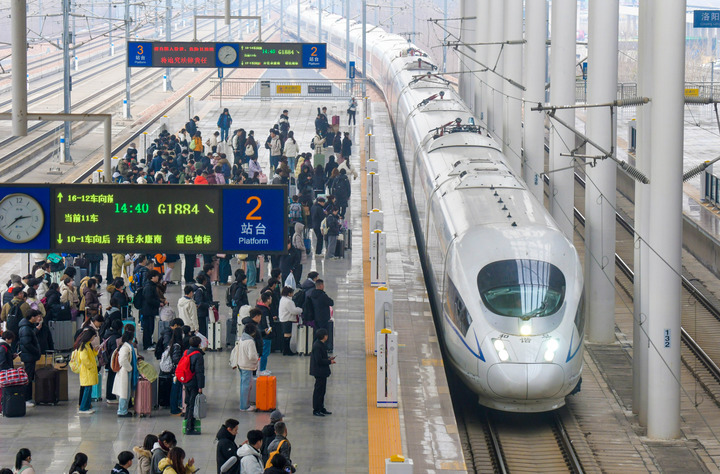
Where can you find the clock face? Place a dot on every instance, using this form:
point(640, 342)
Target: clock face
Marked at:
point(21, 218)
point(227, 54)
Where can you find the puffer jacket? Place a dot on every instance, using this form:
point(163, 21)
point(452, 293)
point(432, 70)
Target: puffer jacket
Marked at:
point(226, 448)
point(166, 467)
point(246, 355)
point(6, 356)
point(298, 241)
point(28, 342)
point(144, 458)
point(251, 461)
point(88, 366)
point(288, 310)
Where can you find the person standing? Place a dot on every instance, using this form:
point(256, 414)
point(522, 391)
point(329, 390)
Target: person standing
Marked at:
point(191, 126)
point(187, 309)
point(29, 348)
point(195, 385)
point(292, 150)
point(321, 304)
point(176, 351)
point(320, 364)
point(87, 358)
point(226, 446)
point(352, 110)
point(203, 300)
point(333, 230)
point(150, 308)
point(317, 214)
point(127, 377)
point(224, 122)
point(249, 453)
point(265, 327)
point(282, 444)
point(288, 316)
point(245, 358)
point(275, 150)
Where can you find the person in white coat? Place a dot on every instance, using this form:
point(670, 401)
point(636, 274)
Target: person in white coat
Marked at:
point(348, 167)
point(187, 309)
point(288, 315)
point(291, 150)
point(249, 453)
point(127, 376)
point(245, 357)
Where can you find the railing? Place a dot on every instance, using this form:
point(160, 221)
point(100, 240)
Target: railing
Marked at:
point(236, 88)
point(627, 90)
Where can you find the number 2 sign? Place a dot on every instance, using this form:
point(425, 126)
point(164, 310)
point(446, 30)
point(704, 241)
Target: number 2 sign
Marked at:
point(255, 219)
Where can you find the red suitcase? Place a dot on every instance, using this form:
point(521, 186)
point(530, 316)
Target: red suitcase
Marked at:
point(266, 393)
point(143, 397)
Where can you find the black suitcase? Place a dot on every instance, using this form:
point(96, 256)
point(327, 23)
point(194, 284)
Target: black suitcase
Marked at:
point(340, 248)
point(231, 331)
point(348, 239)
point(47, 384)
point(13, 401)
point(277, 337)
point(165, 382)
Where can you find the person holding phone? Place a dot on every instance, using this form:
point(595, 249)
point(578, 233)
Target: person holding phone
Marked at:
point(320, 364)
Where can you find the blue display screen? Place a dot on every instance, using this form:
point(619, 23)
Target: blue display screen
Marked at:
point(255, 219)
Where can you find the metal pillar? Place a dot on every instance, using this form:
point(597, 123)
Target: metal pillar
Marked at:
point(67, 79)
point(641, 290)
point(445, 17)
point(320, 10)
point(482, 24)
point(562, 92)
point(364, 43)
point(603, 18)
point(215, 12)
point(110, 27)
point(126, 112)
point(168, 20)
point(347, 38)
point(665, 222)
point(495, 104)
point(282, 18)
point(534, 126)
point(468, 9)
point(512, 130)
point(298, 22)
point(413, 21)
point(18, 27)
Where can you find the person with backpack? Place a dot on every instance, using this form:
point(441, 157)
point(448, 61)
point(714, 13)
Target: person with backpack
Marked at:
point(191, 372)
point(174, 352)
point(280, 445)
point(268, 433)
point(238, 146)
point(191, 125)
point(196, 146)
point(166, 441)
point(165, 336)
point(126, 378)
point(238, 294)
point(203, 301)
point(333, 230)
point(226, 446)
point(14, 311)
point(342, 191)
point(224, 122)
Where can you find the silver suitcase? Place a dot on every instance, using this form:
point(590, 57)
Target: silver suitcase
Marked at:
point(62, 334)
point(305, 336)
point(215, 339)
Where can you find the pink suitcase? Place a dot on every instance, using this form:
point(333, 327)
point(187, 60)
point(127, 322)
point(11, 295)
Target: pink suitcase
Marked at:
point(143, 397)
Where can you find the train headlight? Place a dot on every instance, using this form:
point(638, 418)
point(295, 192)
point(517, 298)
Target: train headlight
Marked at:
point(526, 329)
point(550, 347)
point(499, 346)
point(503, 355)
point(549, 355)
point(553, 345)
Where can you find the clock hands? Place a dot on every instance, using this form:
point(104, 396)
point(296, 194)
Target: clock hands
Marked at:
point(17, 219)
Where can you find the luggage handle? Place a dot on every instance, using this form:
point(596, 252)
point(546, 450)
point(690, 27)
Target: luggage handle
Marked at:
point(52, 358)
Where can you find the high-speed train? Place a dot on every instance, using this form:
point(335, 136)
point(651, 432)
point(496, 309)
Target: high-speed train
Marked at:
point(507, 284)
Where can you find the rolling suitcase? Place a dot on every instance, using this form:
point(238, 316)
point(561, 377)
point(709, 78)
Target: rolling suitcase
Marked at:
point(340, 246)
point(231, 335)
point(215, 340)
point(143, 397)
point(319, 159)
point(266, 393)
point(164, 382)
point(13, 401)
point(305, 336)
point(348, 239)
point(62, 334)
point(96, 394)
point(126, 312)
point(155, 391)
point(47, 384)
point(336, 123)
point(331, 336)
point(252, 396)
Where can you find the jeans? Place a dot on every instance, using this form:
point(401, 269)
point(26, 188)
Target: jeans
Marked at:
point(245, 381)
point(292, 161)
point(319, 393)
point(176, 398)
point(93, 268)
point(351, 117)
point(267, 345)
point(148, 327)
point(251, 272)
point(30, 371)
point(124, 401)
point(274, 161)
point(85, 400)
point(331, 245)
point(224, 133)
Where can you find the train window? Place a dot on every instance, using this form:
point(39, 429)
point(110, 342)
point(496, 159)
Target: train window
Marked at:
point(522, 288)
point(456, 309)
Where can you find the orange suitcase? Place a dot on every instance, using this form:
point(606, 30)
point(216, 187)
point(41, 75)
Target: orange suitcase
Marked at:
point(266, 393)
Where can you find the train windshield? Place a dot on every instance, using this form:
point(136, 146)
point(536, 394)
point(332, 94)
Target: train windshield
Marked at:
point(522, 288)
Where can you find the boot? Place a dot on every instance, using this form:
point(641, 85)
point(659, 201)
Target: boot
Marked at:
point(286, 348)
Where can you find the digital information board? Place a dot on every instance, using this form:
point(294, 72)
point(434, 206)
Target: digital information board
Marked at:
point(177, 54)
point(144, 218)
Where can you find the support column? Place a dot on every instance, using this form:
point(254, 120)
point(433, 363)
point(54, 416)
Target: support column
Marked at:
point(168, 21)
point(534, 81)
point(364, 45)
point(641, 290)
point(67, 79)
point(481, 25)
point(126, 112)
point(512, 130)
point(18, 26)
point(320, 10)
point(665, 223)
point(347, 38)
point(495, 102)
point(468, 80)
point(601, 183)
point(562, 92)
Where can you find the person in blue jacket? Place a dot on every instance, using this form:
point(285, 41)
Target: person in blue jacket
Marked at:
point(224, 122)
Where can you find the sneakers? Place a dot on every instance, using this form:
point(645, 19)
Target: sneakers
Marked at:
point(265, 372)
point(318, 413)
point(126, 415)
point(86, 412)
point(112, 402)
point(250, 408)
point(30, 403)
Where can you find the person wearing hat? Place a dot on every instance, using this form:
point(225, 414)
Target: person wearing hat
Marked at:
point(268, 433)
point(15, 282)
point(43, 285)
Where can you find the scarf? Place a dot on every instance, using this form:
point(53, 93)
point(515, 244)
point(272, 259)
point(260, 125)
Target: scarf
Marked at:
point(135, 374)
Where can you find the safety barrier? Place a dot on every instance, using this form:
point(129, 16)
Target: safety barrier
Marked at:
point(237, 88)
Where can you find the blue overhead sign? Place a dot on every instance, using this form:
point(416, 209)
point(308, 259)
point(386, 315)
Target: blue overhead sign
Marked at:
point(255, 219)
point(140, 54)
point(314, 55)
point(351, 70)
point(706, 19)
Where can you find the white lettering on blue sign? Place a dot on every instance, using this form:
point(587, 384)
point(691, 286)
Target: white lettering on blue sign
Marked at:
point(667, 338)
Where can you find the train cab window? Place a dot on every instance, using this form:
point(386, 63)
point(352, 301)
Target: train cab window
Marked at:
point(456, 309)
point(522, 288)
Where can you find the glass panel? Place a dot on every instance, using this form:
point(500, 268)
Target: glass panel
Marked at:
point(522, 288)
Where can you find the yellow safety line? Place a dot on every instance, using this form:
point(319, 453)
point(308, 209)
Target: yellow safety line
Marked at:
point(383, 423)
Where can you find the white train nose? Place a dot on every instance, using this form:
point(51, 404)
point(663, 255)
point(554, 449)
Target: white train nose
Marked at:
point(526, 381)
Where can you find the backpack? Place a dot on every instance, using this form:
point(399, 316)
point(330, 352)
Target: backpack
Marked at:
point(295, 211)
point(268, 464)
point(115, 360)
point(229, 294)
point(13, 319)
point(308, 313)
point(342, 189)
point(166, 364)
point(75, 361)
point(324, 227)
point(138, 299)
point(249, 150)
point(159, 347)
point(183, 372)
point(103, 356)
point(299, 298)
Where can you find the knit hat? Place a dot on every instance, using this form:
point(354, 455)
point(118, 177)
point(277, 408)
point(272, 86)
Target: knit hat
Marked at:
point(276, 415)
point(244, 312)
point(15, 278)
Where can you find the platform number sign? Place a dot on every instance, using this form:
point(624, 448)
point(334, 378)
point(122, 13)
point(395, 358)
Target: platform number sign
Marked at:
point(314, 55)
point(255, 219)
point(140, 54)
point(666, 339)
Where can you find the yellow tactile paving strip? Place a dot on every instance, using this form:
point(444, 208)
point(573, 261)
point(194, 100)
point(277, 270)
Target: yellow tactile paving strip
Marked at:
point(383, 423)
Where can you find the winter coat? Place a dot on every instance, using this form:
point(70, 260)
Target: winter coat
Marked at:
point(284, 449)
point(166, 467)
point(70, 296)
point(24, 308)
point(224, 121)
point(341, 190)
point(346, 147)
point(151, 299)
point(319, 360)
point(158, 454)
point(317, 214)
point(321, 305)
point(203, 300)
point(291, 148)
point(6, 356)
point(337, 144)
point(240, 297)
point(112, 343)
point(121, 386)
point(197, 366)
point(258, 336)
point(226, 448)
point(120, 297)
point(265, 320)
point(246, 357)
point(28, 342)
point(88, 365)
point(288, 310)
point(348, 167)
point(275, 146)
point(143, 460)
point(298, 242)
point(254, 167)
point(251, 460)
point(333, 224)
point(187, 311)
point(92, 302)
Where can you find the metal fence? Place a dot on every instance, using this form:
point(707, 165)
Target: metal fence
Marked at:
point(235, 88)
point(628, 90)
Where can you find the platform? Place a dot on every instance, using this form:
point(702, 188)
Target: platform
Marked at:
point(339, 443)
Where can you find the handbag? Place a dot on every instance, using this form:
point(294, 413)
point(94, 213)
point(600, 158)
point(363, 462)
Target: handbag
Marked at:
point(249, 150)
point(263, 178)
point(11, 377)
point(167, 313)
point(216, 313)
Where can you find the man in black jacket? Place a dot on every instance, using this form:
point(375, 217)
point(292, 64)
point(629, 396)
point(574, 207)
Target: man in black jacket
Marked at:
point(150, 308)
point(268, 433)
point(30, 349)
point(320, 364)
point(191, 126)
point(203, 300)
point(317, 214)
point(226, 446)
point(321, 304)
point(195, 385)
point(265, 328)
